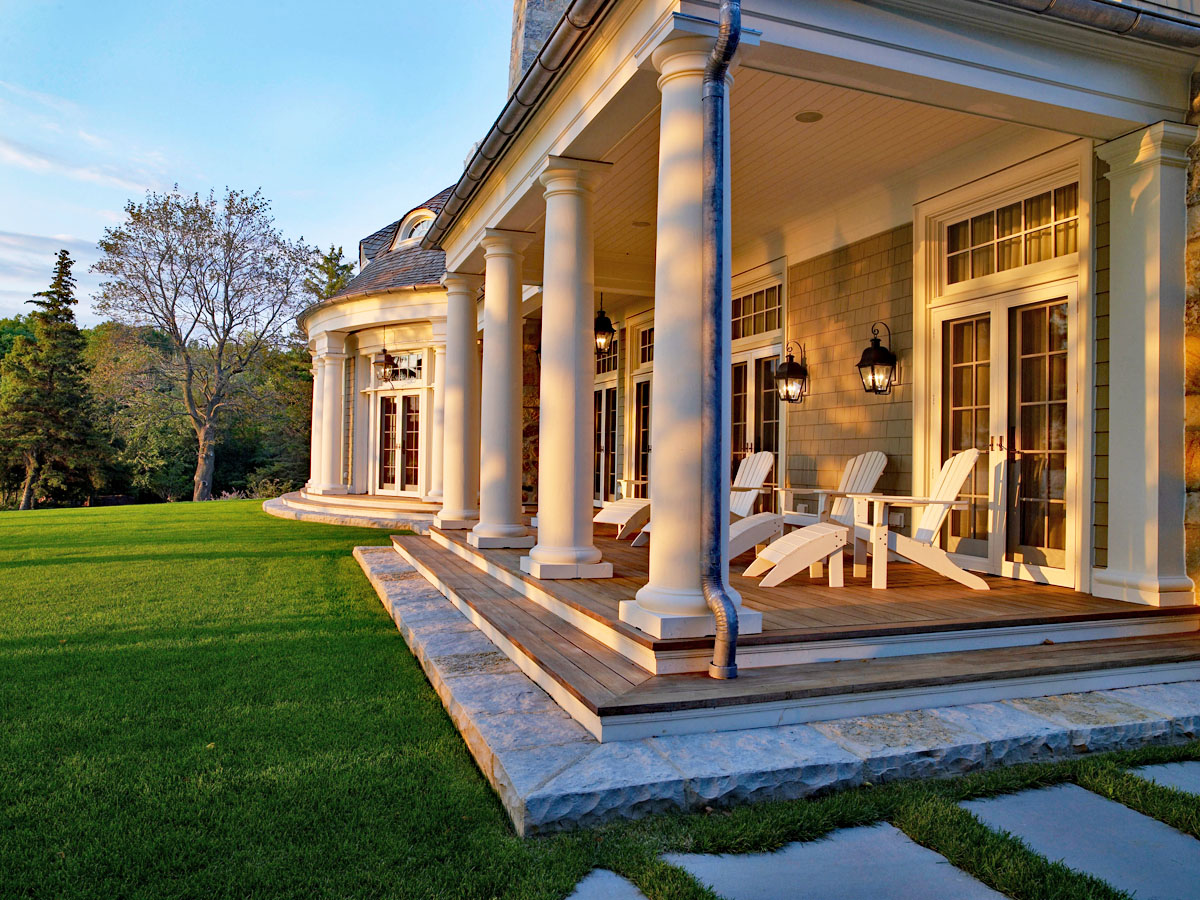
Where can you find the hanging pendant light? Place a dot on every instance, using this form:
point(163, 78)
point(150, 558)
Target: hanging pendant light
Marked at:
point(605, 333)
point(384, 365)
point(791, 378)
point(877, 367)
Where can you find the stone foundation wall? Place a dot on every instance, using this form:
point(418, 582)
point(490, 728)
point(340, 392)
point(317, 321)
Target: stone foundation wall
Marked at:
point(831, 302)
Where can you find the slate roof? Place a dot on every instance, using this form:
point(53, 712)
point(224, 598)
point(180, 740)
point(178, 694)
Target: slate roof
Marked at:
point(405, 267)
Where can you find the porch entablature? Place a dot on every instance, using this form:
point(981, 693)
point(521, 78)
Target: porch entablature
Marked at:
point(972, 57)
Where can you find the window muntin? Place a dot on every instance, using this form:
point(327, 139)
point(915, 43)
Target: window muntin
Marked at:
point(646, 346)
point(417, 228)
point(606, 360)
point(1041, 227)
point(757, 312)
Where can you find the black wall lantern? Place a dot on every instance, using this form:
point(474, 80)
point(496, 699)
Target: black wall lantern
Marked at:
point(605, 333)
point(878, 364)
point(791, 378)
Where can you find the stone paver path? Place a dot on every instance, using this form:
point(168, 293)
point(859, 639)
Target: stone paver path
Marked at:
point(868, 863)
point(1183, 776)
point(1100, 837)
point(602, 884)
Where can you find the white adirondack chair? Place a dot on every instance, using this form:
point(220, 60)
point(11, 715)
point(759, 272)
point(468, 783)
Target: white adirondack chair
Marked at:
point(800, 549)
point(751, 475)
point(860, 476)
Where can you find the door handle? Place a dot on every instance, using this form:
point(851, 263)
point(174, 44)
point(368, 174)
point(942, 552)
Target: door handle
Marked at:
point(996, 442)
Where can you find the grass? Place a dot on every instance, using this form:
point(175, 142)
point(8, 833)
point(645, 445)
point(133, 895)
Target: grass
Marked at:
point(203, 701)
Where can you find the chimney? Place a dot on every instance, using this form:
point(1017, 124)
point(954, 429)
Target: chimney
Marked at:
point(533, 20)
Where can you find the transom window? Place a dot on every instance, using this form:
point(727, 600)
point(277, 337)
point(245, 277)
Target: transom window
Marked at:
point(757, 312)
point(1038, 228)
point(404, 367)
point(646, 346)
point(606, 360)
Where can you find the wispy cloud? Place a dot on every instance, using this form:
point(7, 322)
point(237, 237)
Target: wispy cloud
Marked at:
point(27, 262)
point(33, 160)
point(50, 101)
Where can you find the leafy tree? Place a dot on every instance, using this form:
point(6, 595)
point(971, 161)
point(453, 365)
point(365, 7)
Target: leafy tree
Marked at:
point(44, 401)
point(216, 278)
point(330, 275)
point(10, 329)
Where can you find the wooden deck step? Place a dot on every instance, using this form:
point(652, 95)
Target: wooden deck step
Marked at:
point(664, 693)
point(591, 672)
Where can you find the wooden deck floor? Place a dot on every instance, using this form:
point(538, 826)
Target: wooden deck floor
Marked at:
point(916, 600)
point(616, 699)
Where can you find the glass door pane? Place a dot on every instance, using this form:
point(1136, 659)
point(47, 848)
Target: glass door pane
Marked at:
point(966, 414)
point(1037, 442)
point(641, 438)
point(610, 443)
point(387, 443)
point(766, 424)
point(598, 445)
point(739, 439)
point(412, 442)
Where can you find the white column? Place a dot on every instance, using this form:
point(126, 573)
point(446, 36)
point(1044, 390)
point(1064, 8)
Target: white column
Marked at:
point(314, 467)
point(437, 359)
point(500, 517)
point(672, 604)
point(565, 548)
point(1148, 188)
point(332, 412)
point(460, 428)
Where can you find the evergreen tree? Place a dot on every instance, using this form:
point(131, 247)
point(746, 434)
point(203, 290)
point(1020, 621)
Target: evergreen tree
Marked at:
point(330, 274)
point(44, 402)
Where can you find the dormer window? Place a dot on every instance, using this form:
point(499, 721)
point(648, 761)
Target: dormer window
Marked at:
point(416, 228)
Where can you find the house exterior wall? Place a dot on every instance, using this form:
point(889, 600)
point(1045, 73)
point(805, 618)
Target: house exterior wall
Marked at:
point(533, 20)
point(1192, 361)
point(832, 300)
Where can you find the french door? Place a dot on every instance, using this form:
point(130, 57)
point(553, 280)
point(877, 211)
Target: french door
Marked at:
point(1009, 388)
point(604, 444)
point(400, 443)
point(755, 419)
point(639, 484)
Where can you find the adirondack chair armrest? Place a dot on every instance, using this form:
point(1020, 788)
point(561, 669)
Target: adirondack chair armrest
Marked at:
point(734, 487)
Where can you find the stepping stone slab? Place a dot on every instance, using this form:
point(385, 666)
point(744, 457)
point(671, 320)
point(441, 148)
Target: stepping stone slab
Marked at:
point(1090, 834)
point(1183, 776)
point(876, 862)
point(601, 884)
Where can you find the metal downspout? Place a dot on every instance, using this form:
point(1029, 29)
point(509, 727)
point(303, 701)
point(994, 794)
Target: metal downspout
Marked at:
point(714, 437)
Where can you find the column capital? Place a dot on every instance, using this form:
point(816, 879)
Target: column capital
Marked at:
point(1163, 143)
point(500, 242)
point(567, 173)
point(462, 282)
point(685, 39)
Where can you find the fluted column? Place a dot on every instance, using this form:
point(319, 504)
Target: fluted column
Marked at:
point(672, 603)
point(565, 548)
point(501, 521)
point(460, 422)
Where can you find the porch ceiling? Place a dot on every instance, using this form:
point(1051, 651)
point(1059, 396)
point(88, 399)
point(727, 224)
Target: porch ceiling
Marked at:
point(785, 174)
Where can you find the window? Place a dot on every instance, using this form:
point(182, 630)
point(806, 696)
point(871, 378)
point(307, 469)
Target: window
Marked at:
point(646, 346)
point(1038, 228)
point(405, 367)
point(606, 360)
point(417, 227)
point(757, 312)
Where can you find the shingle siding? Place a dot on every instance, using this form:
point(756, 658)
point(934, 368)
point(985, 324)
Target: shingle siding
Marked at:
point(1100, 396)
point(832, 301)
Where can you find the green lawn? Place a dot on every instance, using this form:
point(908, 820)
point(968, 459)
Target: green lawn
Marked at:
point(203, 701)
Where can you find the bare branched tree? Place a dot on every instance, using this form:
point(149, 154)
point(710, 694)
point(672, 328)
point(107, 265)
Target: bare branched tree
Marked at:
point(216, 277)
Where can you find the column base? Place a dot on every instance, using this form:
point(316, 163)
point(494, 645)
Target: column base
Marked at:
point(1176, 590)
point(432, 497)
point(549, 571)
point(326, 489)
point(667, 626)
point(501, 542)
point(455, 522)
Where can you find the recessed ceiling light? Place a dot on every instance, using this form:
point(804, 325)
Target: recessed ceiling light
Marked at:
point(809, 116)
point(640, 224)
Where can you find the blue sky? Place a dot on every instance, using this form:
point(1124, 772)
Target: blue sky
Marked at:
point(346, 115)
